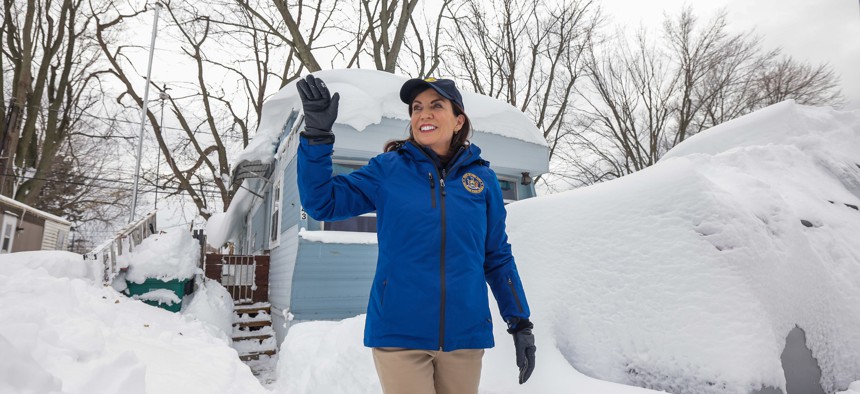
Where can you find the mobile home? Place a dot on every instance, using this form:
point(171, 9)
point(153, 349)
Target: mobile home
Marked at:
point(323, 270)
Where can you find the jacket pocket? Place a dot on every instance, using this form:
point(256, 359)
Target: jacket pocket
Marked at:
point(382, 294)
point(516, 296)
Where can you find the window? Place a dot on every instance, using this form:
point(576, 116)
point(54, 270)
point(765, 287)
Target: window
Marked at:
point(10, 222)
point(509, 190)
point(362, 224)
point(7, 239)
point(343, 168)
point(275, 222)
point(61, 240)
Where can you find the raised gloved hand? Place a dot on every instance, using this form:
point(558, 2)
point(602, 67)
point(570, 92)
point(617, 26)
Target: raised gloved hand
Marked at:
point(320, 110)
point(524, 342)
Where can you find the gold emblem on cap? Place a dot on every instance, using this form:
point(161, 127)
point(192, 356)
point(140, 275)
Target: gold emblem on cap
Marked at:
point(430, 79)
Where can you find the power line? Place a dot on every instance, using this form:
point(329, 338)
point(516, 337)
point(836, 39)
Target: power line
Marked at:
point(199, 190)
point(107, 119)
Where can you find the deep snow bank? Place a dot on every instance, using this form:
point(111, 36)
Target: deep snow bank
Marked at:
point(59, 333)
point(687, 276)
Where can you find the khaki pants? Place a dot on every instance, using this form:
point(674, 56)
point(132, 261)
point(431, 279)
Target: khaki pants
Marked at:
point(407, 371)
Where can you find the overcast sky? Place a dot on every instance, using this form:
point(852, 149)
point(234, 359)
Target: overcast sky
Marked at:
point(813, 30)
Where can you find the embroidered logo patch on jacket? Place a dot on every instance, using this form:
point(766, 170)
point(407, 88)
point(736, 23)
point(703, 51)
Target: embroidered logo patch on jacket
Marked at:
point(472, 183)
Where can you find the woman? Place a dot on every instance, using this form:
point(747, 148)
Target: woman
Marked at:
point(441, 231)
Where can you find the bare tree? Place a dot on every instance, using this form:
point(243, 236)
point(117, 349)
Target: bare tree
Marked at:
point(629, 106)
point(646, 97)
point(375, 28)
point(785, 78)
point(426, 49)
point(530, 54)
point(51, 58)
point(209, 115)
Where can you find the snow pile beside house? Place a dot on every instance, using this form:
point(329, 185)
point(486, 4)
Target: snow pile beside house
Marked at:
point(684, 277)
point(211, 303)
point(167, 256)
point(64, 334)
point(688, 276)
point(55, 263)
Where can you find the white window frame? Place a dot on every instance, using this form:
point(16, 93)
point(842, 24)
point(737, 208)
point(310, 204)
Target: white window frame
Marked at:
point(8, 228)
point(275, 214)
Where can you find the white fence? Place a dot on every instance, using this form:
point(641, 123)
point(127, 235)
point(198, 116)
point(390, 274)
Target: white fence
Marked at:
point(124, 242)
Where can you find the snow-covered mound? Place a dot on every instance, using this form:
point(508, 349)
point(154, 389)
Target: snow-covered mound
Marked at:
point(213, 304)
point(688, 276)
point(167, 256)
point(62, 334)
point(55, 263)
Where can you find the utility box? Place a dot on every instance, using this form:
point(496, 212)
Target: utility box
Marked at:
point(156, 292)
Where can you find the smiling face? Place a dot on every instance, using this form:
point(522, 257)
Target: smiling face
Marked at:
point(434, 122)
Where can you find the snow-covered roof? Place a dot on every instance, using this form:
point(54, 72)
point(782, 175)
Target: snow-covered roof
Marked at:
point(368, 96)
point(29, 209)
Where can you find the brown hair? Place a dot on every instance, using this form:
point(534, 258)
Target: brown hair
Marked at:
point(460, 138)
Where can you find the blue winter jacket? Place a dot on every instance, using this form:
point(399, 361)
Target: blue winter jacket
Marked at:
point(441, 236)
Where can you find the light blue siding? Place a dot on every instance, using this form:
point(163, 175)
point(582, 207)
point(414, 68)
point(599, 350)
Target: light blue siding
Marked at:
point(290, 206)
point(260, 224)
point(332, 281)
point(281, 269)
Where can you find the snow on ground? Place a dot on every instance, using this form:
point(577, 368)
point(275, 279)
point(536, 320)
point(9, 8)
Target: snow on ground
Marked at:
point(684, 277)
point(698, 267)
point(61, 332)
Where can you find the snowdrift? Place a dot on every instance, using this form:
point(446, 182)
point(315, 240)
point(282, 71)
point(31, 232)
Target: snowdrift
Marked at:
point(688, 276)
point(61, 331)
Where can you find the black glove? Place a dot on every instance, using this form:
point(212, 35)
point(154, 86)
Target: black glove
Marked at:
point(524, 342)
point(320, 110)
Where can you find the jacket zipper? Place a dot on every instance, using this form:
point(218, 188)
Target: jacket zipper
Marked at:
point(442, 263)
point(442, 254)
point(432, 190)
point(516, 297)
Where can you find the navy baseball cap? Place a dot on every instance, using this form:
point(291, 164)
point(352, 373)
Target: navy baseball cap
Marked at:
point(445, 87)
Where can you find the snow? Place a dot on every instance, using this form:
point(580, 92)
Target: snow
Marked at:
point(54, 263)
point(211, 303)
point(338, 237)
point(366, 96)
point(167, 256)
point(221, 226)
point(684, 277)
point(161, 296)
point(63, 334)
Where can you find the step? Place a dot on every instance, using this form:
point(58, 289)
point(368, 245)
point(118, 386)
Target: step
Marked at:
point(257, 337)
point(258, 323)
point(256, 355)
point(258, 333)
point(265, 346)
point(258, 307)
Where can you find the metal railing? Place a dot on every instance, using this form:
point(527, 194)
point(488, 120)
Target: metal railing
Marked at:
point(124, 241)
